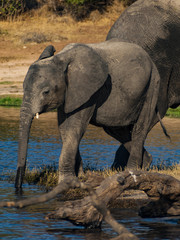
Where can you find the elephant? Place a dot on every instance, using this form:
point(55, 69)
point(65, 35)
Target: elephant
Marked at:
point(113, 85)
point(155, 26)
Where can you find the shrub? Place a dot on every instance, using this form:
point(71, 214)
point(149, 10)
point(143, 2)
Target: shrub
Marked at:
point(11, 8)
point(79, 9)
point(36, 37)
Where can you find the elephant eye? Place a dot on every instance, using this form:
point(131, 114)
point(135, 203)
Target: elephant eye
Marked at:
point(46, 92)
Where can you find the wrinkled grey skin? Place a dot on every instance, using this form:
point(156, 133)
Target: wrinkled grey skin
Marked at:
point(155, 26)
point(113, 85)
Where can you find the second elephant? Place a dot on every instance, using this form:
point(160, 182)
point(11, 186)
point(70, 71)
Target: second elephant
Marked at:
point(113, 85)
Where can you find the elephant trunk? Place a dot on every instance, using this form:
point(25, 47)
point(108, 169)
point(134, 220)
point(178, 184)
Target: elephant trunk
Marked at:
point(26, 117)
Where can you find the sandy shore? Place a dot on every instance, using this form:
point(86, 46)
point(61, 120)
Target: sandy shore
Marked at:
point(12, 75)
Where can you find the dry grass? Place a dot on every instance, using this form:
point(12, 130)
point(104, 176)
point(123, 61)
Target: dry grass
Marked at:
point(173, 171)
point(26, 37)
point(47, 176)
point(60, 29)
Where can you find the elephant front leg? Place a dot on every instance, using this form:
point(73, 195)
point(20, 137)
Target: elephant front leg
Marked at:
point(72, 129)
point(69, 154)
point(78, 164)
point(68, 165)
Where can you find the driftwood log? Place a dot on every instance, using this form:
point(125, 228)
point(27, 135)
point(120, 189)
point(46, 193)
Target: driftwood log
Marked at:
point(163, 190)
point(97, 204)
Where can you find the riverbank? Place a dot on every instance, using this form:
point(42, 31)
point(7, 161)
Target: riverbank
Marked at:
point(97, 150)
point(47, 175)
point(23, 40)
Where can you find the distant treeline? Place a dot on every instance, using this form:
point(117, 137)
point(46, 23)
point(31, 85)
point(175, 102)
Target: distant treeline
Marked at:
point(79, 9)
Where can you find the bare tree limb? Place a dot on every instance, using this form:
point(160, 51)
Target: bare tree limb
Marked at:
point(99, 205)
point(95, 202)
point(163, 189)
point(68, 183)
point(91, 210)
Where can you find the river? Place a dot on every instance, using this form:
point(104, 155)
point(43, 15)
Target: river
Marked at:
point(97, 150)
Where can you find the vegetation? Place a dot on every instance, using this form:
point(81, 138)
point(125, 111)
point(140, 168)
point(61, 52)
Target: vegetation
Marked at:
point(173, 112)
point(10, 8)
point(47, 176)
point(79, 9)
point(10, 101)
point(16, 102)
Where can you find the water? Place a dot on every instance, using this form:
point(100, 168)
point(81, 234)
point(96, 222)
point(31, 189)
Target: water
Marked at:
point(97, 150)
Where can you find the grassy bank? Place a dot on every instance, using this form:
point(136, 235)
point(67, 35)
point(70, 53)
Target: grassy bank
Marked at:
point(173, 112)
point(10, 101)
point(47, 176)
point(16, 102)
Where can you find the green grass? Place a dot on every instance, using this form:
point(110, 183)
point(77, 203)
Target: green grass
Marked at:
point(6, 83)
point(173, 112)
point(16, 102)
point(10, 101)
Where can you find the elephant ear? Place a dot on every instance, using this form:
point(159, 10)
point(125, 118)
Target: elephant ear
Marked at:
point(86, 73)
point(48, 52)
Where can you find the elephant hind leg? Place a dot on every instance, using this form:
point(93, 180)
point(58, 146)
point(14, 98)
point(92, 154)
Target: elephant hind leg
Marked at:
point(122, 156)
point(123, 135)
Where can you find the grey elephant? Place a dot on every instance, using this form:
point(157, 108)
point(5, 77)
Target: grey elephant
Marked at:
point(113, 85)
point(155, 26)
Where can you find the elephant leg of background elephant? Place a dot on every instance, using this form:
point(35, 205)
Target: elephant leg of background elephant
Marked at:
point(122, 156)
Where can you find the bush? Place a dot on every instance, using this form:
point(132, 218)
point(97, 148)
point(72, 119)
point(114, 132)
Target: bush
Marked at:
point(79, 9)
point(11, 8)
point(36, 37)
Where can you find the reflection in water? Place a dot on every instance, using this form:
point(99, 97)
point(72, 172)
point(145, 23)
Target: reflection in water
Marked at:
point(97, 150)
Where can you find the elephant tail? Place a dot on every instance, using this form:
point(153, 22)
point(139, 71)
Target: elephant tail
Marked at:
point(162, 125)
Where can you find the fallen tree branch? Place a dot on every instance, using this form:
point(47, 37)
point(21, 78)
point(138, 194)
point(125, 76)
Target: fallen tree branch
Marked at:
point(94, 201)
point(68, 183)
point(99, 205)
point(90, 211)
point(163, 189)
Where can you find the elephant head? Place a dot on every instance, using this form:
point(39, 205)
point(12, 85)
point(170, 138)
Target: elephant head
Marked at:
point(68, 79)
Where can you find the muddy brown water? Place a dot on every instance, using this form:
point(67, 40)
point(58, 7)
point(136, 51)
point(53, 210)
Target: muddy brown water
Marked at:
point(97, 150)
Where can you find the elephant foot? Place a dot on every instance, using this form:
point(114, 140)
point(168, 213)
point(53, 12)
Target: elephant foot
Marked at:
point(147, 159)
point(62, 176)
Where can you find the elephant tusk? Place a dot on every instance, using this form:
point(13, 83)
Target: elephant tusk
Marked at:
point(37, 115)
